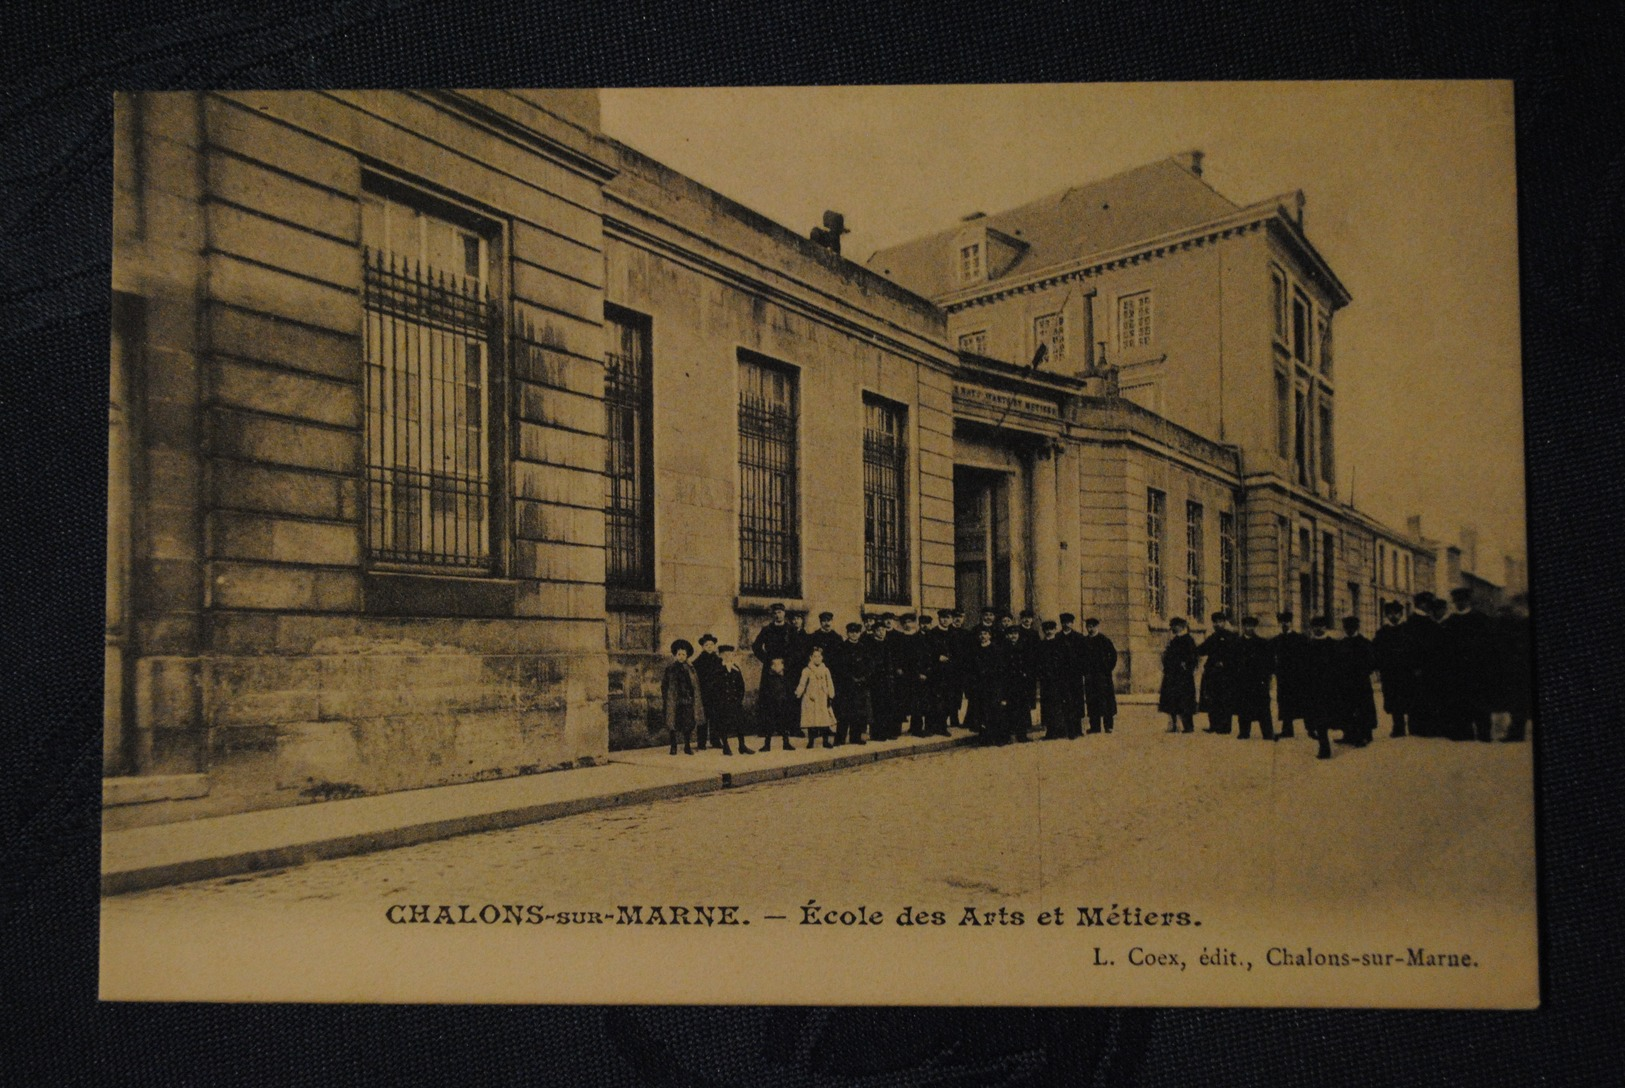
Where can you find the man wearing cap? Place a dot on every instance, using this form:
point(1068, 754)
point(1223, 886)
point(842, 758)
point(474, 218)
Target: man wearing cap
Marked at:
point(1424, 644)
point(910, 671)
point(1356, 661)
point(1471, 644)
point(1054, 712)
point(1394, 666)
point(773, 641)
point(1070, 649)
point(962, 644)
point(711, 672)
point(941, 694)
point(852, 665)
point(1218, 675)
point(1099, 663)
point(1254, 663)
point(826, 637)
point(882, 691)
point(1320, 688)
point(1289, 663)
point(1020, 689)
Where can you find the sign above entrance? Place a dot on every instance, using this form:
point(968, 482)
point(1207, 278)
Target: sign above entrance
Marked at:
point(975, 395)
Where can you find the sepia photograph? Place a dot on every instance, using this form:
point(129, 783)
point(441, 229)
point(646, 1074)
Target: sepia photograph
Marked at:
point(1027, 545)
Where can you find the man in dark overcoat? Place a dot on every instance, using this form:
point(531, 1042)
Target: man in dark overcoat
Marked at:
point(1391, 645)
point(1072, 655)
point(1020, 688)
point(825, 637)
point(1321, 705)
point(774, 640)
point(1290, 665)
point(852, 666)
point(882, 690)
point(1099, 690)
point(1053, 711)
point(985, 714)
point(1356, 661)
point(1470, 642)
point(1254, 664)
point(1424, 640)
point(1218, 698)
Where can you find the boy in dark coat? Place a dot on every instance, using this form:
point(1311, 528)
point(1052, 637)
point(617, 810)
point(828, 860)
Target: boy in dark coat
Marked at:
point(729, 709)
point(709, 668)
point(680, 697)
point(1177, 697)
point(986, 682)
point(1099, 662)
point(852, 664)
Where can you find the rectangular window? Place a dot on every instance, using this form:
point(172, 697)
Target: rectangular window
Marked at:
point(885, 495)
point(1300, 435)
point(1324, 329)
point(1327, 468)
point(1328, 572)
point(1283, 415)
point(1195, 599)
point(1278, 303)
point(1227, 561)
point(1050, 329)
point(429, 328)
point(1354, 600)
point(629, 455)
point(974, 342)
point(769, 540)
point(1156, 509)
point(1300, 329)
point(1134, 321)
point(1283, 563)
point(970, 262)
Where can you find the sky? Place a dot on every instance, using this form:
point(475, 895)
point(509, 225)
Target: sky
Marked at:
point(1410, 197)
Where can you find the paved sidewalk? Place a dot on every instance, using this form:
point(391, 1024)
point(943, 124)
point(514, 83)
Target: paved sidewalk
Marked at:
point(151, 857)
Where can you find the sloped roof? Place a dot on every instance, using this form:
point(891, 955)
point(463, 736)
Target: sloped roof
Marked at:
point(1143, 203)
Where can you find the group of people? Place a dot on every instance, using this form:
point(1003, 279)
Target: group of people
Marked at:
point(1446, 670)
point(893, 675)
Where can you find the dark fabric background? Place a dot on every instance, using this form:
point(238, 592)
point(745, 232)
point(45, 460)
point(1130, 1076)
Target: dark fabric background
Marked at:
point(62, 61)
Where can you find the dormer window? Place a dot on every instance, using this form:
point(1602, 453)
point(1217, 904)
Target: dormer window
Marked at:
point(970, 262)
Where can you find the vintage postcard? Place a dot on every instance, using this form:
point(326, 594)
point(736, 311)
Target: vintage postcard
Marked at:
point(974, 545)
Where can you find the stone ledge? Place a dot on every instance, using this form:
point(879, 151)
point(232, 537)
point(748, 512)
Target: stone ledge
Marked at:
point(139, 789)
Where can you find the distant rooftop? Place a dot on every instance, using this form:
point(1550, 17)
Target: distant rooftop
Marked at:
point(1148, 201)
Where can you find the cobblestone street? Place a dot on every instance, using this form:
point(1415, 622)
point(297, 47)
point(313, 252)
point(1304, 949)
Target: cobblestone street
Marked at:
point(1446, 827)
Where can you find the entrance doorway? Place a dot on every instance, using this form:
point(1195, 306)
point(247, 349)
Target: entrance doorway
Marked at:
point(981, 539)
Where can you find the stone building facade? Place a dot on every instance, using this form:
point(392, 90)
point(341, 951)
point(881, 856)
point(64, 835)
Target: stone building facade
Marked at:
point(436, 416)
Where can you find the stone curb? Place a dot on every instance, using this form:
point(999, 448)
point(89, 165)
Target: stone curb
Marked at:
point(144, 878)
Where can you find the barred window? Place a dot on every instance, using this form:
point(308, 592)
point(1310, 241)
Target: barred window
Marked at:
point(1134, 321)
point(1195, 600)
point(769, 540)
point(1227, 561)
point(1050, 330)
point(1156, 507)
point(885, 494)
point(628, 467)
point(974, 341)
point(429, 327)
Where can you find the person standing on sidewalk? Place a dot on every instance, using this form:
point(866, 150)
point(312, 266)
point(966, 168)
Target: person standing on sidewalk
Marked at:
point(1053, 710)
point(816, 690)
point(1321, 702)
point(1289, 662)
point(1394, 666)
point(1069, 647)
point(1471, 640)
point(1218, 698)
point(775, 706)
point(942, 690)
point(1020, 688)
point(986, 682)
point(1357, 660)
point(680, 697)
point(1099, 663)
point(1177, 697)
point(712, 731)
point(1253, 667)
point(852, 667)
point(729, 710)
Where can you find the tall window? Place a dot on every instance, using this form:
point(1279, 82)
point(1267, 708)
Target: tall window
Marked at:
point(1227, 561)
point(1283, 415)
point(769, 542)
point(1300, 329)
point(1283, 563)
point(429, 326)
point(1156, 511)
point(974, 341)
point(885, 493)
point(1050, 329)
point(1300, 435)
point(1328, 572)
point(1324, 331)
point(1134, 321)
point(1327, 468)
point(629, 495)
point(970, 262)
point(1195, 599)
point(1278, 303)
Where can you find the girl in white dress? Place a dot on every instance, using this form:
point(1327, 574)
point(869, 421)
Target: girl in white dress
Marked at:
point(816, 692)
